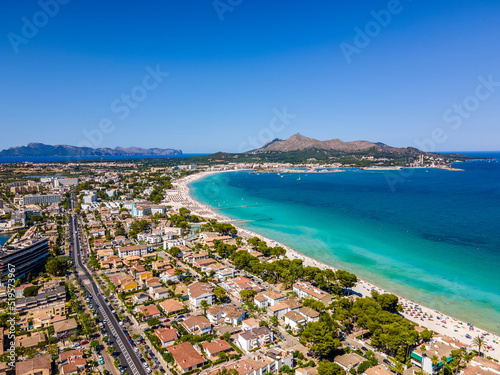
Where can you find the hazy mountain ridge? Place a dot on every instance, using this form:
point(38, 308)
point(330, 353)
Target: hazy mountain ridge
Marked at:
point(40, 149)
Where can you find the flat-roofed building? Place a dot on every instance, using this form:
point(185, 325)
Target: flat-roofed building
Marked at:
point(41, 199)
point(25, 255)
point(137, 250)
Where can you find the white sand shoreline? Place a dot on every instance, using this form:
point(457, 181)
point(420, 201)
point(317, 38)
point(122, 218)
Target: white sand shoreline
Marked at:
point(422, 315)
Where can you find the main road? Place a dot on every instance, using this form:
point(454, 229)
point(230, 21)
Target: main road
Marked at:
point(127, 356)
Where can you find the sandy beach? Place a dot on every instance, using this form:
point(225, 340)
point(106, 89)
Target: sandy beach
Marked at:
point(424, 316)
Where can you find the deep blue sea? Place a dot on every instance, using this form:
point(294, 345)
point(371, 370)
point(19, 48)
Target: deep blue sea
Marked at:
point(50, 159)
point(430, 235)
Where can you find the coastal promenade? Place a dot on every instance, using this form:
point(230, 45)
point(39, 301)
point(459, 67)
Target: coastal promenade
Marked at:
point(424, 316)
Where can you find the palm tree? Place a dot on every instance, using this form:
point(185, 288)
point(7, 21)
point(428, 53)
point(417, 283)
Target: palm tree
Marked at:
point(397, 367)
point(204, 304)
point(446, 367)
point(479, 342)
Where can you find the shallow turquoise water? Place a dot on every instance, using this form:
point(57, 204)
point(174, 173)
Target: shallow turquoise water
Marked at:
point(4, 238)
point(429, 235)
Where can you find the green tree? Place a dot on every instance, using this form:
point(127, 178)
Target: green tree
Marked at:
point(329, 368)
point(225, 371)
point(426, 335)
point(397, 367)
point(175, 251)
point(220, 294)
point(321, 336)
point(30, 291)
point(153, 322)
point(247, 295)
point(94, 344)
point(274, 321)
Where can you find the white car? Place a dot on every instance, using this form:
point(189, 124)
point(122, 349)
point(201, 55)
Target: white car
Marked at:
point(135, 349)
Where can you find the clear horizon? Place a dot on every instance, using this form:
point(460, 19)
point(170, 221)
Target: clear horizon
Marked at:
point(227, 76)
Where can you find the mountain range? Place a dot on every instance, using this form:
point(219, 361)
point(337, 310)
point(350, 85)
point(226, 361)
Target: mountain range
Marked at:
point(40, 149)
point(298, 142)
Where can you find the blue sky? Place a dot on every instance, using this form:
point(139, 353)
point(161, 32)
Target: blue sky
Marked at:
point(242, 72)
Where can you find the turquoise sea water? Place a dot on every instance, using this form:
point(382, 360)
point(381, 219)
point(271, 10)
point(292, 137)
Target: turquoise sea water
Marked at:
point(430, 235)
point(4, 238)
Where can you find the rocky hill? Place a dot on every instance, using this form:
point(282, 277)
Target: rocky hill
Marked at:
point(40, 149)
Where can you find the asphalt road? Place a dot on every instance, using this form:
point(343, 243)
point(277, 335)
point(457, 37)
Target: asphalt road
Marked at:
point(127, 356)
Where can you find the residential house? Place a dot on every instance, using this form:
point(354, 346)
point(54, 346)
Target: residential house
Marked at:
point(213, 348)
point(167, 336)
point(204, 263)
point(377, 370)
point(66, 357)
point(150, 281)
point(307, 371)
point(173, 275)
point(307, 290)
point(46, 320)
point(255, 338)
point(349, 361)
point(126, 283)
point(295, 320)
point(186, 357)
point(249, 324)
point(310, 314)
point(268, 298)
point(171, 306)
point(482, 366)
point(35, 366)
point(161, 293)
point(32, 341)
point(261, 362)
point(199, 292)
point(152, 287)
point(161, 266)
point(193, 257)
point(197, 325)
point(283, 307)
point(104, 254)
point(140, 298)
point(225, 314)
point(148, 312)
point(237, 285)
point(65, 328)
point(423, 359)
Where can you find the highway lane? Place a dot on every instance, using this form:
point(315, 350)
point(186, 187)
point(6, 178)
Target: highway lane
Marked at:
point(127, 356)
